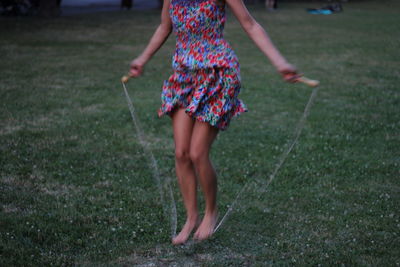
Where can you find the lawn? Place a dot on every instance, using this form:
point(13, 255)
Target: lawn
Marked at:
point(75, 183)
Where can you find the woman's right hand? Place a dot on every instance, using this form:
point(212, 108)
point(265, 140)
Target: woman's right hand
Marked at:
point(136, 67)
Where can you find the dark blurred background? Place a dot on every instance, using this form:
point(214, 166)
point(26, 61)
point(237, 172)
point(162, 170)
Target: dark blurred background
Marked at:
point(54, 8)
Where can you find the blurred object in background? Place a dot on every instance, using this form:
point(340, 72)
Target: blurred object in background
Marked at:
point(326, 10)
point(271, 5)
point(18, 7)
point(44, 8)
point(49, 8)
point(126, 4)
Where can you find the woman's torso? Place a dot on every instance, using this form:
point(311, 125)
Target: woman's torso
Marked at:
point(198, 26)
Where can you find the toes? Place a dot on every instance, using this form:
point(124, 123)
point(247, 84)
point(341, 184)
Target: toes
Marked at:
point(196, 234)
point(180, 239)
point(206, 229)
point(202, 234)
point(205, 235)
point(183, 236)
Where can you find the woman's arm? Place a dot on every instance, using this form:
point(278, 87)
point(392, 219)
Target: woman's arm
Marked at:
point(157, 40)
point(261, 38)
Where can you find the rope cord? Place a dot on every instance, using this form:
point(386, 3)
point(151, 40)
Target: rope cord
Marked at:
point(297, 133)
point(155, 170)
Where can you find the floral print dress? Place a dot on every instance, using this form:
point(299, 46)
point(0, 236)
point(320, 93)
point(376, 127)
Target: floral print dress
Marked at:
point(206, 77)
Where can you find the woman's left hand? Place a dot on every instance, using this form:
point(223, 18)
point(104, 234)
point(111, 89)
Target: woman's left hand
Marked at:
point(289, 72)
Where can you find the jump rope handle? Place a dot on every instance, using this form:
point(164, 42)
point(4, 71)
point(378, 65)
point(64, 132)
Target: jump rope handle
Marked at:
point(307, 81)
point(293, 77)
point(125, 78)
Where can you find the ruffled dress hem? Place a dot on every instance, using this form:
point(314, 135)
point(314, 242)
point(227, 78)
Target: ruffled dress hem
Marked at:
point(220, 122)
point(207, 95)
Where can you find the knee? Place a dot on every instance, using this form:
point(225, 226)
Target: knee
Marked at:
point(197, 156)
point(182, 155)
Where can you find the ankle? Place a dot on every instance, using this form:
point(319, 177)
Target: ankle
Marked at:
point(211, 212)
point(192, 217)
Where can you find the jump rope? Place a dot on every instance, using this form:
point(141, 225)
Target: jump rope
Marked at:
point(156, 173)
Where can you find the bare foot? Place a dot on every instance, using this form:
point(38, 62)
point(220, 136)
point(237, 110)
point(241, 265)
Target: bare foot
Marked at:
point(206, 228)
point(187, 229)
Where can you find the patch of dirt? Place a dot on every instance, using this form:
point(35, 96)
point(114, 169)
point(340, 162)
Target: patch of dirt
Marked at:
point(91, 108)
point(10, 208)
point(10, 129)
point(57, 189)
point(168, 255)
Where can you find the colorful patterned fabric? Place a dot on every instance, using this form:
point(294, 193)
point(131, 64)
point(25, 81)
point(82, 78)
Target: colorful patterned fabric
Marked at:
point(206, 78)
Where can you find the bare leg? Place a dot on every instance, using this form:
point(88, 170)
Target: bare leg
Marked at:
point(202, 138)
point(183, 127)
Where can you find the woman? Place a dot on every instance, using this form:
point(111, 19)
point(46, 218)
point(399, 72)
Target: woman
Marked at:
point(201, 94)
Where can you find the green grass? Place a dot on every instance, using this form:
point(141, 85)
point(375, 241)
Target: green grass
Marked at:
point(75, 184)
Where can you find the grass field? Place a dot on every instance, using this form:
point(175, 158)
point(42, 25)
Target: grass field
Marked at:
point(76, 188)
